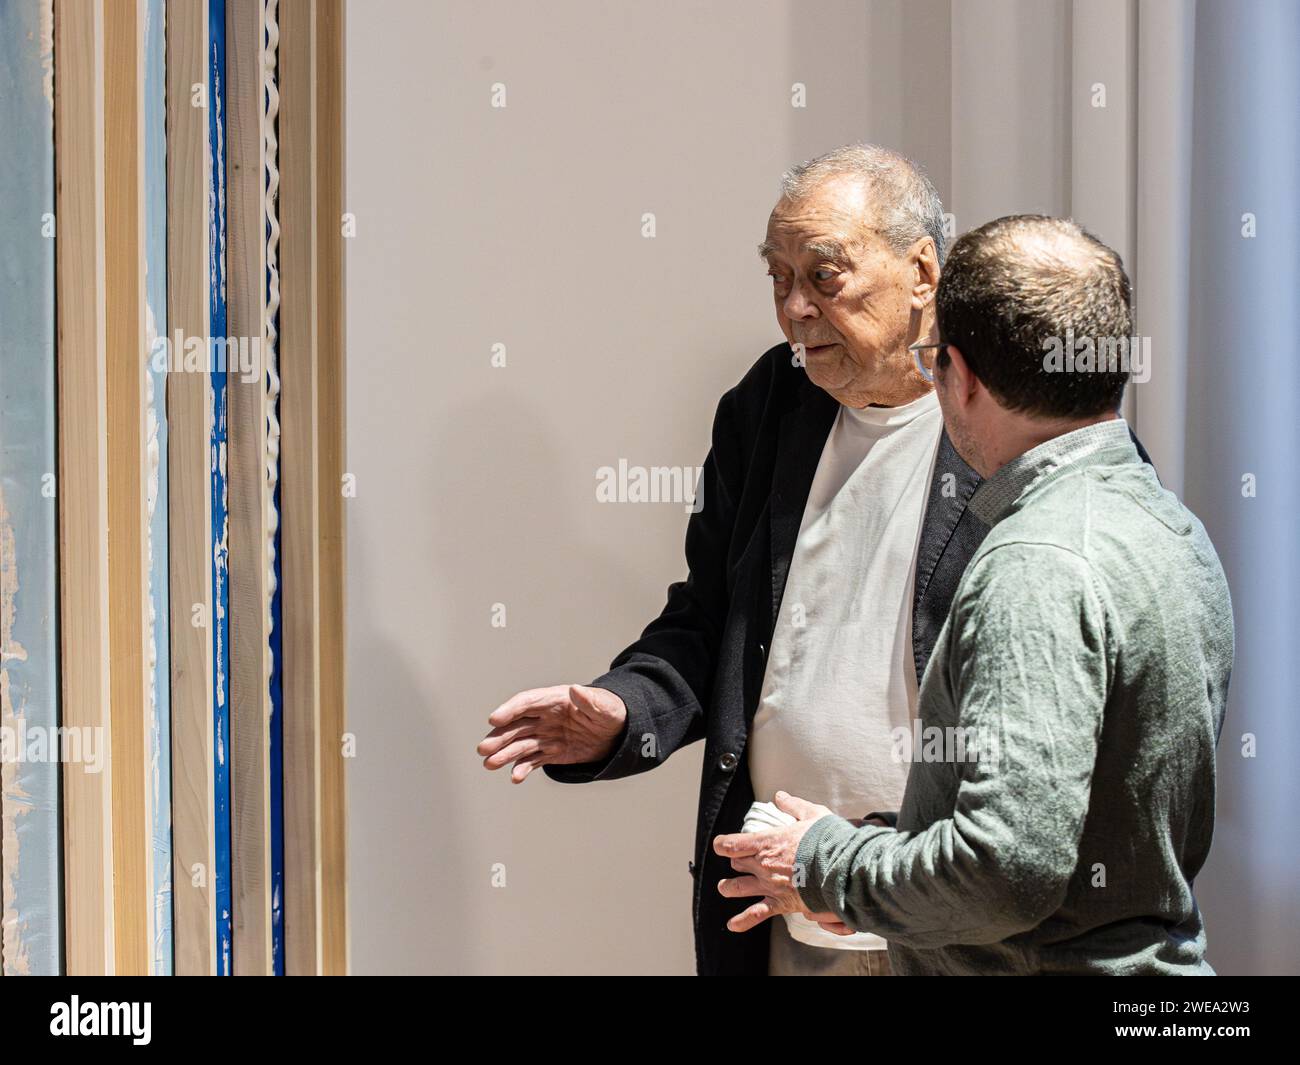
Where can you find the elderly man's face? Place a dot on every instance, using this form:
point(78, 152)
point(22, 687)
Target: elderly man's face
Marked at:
point(849, 298)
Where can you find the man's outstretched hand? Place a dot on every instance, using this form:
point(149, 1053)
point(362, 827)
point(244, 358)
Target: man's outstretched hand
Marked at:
point(563, 725)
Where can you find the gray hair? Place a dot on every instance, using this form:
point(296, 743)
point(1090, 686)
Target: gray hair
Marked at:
point(907, 205)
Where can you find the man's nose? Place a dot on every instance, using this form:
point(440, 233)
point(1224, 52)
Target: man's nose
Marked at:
point(798, 306)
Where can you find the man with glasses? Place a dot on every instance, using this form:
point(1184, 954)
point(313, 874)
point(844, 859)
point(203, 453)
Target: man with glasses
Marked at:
point(1076, 693)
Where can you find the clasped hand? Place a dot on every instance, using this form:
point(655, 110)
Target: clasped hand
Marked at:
point(768, 861)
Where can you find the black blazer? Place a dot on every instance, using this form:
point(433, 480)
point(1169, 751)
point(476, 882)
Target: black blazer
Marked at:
point(697, 670)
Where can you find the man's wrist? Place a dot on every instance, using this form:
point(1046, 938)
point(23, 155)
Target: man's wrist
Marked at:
point(808, 876)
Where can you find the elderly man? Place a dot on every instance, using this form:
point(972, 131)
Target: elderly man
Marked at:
point(1087, 655)
point(833, 531)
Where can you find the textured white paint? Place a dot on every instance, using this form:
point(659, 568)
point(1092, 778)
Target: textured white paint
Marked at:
point(47, 52)
point(15, 799)
point(152, 464)
point(270, 335)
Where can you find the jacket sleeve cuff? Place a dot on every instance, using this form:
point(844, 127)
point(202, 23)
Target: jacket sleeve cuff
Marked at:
point(627, 748)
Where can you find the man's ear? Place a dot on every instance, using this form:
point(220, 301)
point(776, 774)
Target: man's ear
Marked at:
point(925, 273)
point(961, 382)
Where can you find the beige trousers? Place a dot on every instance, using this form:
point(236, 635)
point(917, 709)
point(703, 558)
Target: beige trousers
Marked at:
point(789, 957)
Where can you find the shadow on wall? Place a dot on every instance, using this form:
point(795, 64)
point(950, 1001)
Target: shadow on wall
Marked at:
point(485, 876)
point(401, 723)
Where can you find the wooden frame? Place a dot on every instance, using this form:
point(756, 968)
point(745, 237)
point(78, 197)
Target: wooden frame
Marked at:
point(189, 496)
point(83, 480)
point(331, 384)
point(312, 411)
point(300, 533)
point(128, 518)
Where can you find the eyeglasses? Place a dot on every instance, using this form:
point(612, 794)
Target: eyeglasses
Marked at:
point(925, 355)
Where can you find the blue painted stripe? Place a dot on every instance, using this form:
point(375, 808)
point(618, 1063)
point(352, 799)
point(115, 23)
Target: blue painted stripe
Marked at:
point(220, 588)
point(32, 938)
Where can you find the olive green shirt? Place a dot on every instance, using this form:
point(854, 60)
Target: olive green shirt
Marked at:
point(1060, 797)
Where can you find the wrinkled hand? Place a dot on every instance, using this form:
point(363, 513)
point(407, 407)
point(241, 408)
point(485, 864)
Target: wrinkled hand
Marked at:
point(769, 860)
point(562, 725)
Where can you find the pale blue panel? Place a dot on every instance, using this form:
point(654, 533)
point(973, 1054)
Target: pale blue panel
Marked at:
point(155, 165)
point(32, 939)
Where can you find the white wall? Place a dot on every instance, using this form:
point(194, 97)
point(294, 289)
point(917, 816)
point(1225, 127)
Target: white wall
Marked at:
point(477, 485)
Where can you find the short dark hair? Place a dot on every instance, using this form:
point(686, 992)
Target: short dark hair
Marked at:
point(1015, 285)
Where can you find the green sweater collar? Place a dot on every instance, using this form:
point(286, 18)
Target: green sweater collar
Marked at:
point(996, 497)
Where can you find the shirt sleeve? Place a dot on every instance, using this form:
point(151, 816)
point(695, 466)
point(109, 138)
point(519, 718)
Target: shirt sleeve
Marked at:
point(1029, 670)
